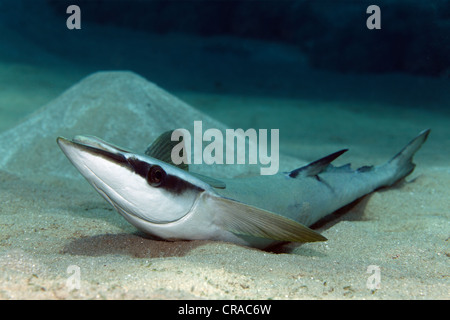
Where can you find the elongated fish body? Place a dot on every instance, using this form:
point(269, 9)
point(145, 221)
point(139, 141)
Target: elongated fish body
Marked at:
point(172, 203)
point(307, 199)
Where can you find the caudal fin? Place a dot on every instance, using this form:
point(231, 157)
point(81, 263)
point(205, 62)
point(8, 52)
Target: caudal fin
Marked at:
point(401, 163)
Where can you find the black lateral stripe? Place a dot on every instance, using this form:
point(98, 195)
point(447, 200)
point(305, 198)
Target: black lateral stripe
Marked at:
point(139, 167)
point(116, 157)
point(178, 186)
point(171, 183)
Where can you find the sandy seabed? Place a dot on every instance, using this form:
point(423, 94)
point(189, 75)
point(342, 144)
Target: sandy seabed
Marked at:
point(55, 230)
point(402, 230)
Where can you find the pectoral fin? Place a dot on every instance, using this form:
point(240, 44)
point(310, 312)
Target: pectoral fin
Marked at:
point(245, 219)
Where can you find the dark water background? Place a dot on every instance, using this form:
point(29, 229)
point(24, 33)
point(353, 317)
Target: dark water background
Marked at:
point(314, 51)
point(330, 36)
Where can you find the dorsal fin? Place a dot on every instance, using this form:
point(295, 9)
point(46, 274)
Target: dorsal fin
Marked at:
point(316, 167)
point(161, 149)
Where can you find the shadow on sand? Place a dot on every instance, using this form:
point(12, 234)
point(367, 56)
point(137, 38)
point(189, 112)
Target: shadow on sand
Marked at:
point(140, 245)
point(135, 245)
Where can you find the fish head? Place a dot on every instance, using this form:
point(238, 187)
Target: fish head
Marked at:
point(141, 188)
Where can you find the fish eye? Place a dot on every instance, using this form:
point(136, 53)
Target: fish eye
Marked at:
point(156, 176)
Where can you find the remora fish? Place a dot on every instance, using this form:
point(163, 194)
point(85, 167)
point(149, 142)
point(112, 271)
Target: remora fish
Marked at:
point(172, 203)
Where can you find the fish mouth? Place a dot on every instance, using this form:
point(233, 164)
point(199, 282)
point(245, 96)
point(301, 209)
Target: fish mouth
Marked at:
point(119, 176)
point(95, 142)
point(94, 146)
point(97, 147)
